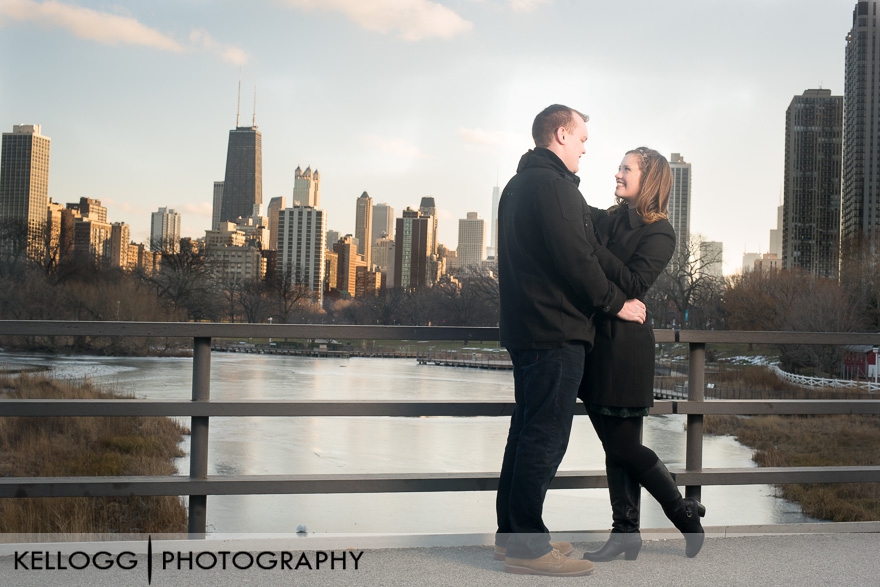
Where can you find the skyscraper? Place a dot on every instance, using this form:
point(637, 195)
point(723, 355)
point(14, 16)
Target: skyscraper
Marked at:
point(92, 233)
point(218, 204)
point(428, 209)
point(412, 251)
point(471, 241)
point(276, 205)
point(712, 258)
point(496, 198)
point(860, 190)
point(24, 185)
point(165, 230)
point(120, 237)
point(301, 245)
point(383, 221)
point(243, 185)
point(776, 233)
point(811, 185)
point(680, 201)
point(348, 261)
point(363, 227)
point(306, 187)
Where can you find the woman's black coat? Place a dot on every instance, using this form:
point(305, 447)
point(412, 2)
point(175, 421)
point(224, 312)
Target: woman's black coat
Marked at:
point(619, 371)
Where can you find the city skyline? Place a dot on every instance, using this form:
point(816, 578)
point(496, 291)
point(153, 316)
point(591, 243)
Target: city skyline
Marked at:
point(415, 105)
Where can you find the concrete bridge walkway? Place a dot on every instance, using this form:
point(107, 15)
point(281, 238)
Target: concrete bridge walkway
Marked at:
point(849, 558)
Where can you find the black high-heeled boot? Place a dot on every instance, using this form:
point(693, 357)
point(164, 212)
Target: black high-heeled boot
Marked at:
point(625, 538)
point(684, 513)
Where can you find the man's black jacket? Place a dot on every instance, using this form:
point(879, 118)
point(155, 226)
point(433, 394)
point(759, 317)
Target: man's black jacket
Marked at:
point(550, 280)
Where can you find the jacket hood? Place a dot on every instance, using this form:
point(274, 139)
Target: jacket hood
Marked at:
point(540, 157)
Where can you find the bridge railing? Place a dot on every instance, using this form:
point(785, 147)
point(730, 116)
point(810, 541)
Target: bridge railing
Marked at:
point(198, 485)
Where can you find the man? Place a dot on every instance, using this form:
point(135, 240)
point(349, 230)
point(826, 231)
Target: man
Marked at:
point(550, 284)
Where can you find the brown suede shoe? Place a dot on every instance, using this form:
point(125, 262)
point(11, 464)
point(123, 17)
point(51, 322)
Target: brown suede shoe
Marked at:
point(552, 563)
point(564, 548)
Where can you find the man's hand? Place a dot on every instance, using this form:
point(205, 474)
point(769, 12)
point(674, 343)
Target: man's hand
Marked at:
point(633, 311)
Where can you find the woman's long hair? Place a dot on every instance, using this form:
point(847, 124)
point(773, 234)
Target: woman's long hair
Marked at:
point(652, 203)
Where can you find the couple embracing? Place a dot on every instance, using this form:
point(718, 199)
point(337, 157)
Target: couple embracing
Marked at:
point(570, 278)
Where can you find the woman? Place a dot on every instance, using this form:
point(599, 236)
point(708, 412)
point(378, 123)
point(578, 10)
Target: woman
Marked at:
point(637, 242)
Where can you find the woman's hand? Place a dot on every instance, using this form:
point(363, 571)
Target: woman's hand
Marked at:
point(633, 311)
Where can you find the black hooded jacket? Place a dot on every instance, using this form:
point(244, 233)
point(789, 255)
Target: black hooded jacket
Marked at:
point(549, 278)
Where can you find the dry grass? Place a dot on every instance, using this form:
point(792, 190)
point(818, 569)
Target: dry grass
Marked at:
point(81, 446)
point(814, 441)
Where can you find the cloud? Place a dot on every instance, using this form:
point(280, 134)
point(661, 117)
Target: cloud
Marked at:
point(393, 146)
point(522, 6)
point(109, 29)
point(488, 140)
point(230, 53)
point(85, 23)
point(412, 20)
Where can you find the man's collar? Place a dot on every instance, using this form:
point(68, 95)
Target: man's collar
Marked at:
point(557, 162)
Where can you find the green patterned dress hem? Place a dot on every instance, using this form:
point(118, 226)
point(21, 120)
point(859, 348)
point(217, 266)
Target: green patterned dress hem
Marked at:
point(618, 412)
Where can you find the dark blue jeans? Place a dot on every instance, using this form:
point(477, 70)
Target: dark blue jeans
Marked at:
point(546, 385)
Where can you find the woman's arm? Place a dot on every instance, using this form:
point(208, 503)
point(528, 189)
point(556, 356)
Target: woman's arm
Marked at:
point(637, 276)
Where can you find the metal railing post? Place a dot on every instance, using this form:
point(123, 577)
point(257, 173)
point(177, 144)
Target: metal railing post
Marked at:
point(696, 393)
point(198, 454)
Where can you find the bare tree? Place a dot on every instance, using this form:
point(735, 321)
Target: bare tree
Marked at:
point(184, 282)
point(796, 301)
point(860, 277)
point(13, 246)
point(291, 296)
point(688, 292)
point(252, 298)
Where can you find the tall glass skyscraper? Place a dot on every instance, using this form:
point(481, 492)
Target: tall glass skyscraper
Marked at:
point(24, 184)
point(860, 192)
point(165, 230)
point(680, 201)
point(363, 227)
point(243, 185)
point(811, 185)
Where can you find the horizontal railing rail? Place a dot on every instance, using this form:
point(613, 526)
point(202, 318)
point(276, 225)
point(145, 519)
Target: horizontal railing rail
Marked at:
point(198, 485)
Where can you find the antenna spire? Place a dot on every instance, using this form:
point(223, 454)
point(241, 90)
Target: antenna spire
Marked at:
point(238, 108)
point(254, 124)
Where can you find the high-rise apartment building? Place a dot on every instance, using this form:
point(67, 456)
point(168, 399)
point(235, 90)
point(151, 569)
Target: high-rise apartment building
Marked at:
point(776, 233)
point(120, 238)
point(811, 184)
point(383, 222)
point(24, 185)
point(243, 185)
point(332, 238)
point(383, 259)
point(301, 246)
point(165, 230)
point(218, 204)
point(91, 233)
point(225, 235)
point(712, 258)
point(680, 201)
point(496, 199)
point(348, 261)
point(413, 234)
point(860, 190)
point(306, 187)
point(471, 241)
point(363, 227)
point(428, 209)
point(749, 259)
point(275, 206)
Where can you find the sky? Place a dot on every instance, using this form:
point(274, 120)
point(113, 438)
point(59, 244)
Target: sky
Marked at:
point(412, 98)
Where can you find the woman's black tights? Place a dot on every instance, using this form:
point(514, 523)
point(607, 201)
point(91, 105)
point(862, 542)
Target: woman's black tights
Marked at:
point(622, 440)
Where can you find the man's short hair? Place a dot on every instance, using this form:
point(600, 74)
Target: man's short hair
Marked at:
point(550, 119)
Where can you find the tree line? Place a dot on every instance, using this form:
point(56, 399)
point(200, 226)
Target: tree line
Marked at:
point(688, 295)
